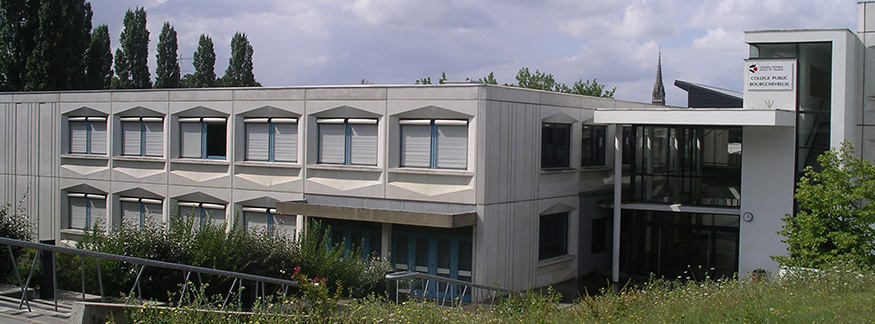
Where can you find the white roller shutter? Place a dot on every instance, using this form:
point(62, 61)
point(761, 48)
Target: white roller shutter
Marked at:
point(131, 137)
point(256, 221)
point(332, 143)
point(153, 213)
point(363, 143)
point(285, 141)
point(131, 213)
point(97, 209)
point(416, 145)
point(190, 140)
point(154, 138)
point(98, 135)
point(257, 139)
point(78, 212)
point(452, 144)
point(79, 137)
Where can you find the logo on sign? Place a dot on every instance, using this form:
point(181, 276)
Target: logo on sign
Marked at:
point(753, 68)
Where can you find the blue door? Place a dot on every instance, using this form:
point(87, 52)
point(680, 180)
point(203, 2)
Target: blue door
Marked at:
point(445, 253)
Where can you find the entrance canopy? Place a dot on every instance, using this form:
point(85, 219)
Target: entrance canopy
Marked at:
point(695, 117)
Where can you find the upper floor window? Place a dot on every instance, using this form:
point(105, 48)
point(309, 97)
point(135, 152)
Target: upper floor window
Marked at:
point(202, 138)
point(85, 209)
point(347, 141)
point(592, 152)
point(88, 135)
point(271, 139)
point(202, 212)
point(140, 211)
point(434, 143)
point(555, 145)
point(553, 236)
point(142, 136)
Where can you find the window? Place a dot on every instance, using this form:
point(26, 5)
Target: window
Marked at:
point(553, 236)
point(139, 211)
point(271, 139)
point(85, 209)
point(88, 135)
point(202, 212)
point(599, 235)
point(202, 138)
point(347, 141)
point(142, 136)
point(592, 150)
point(259, 218)
point(555, 145)
point(434, 143)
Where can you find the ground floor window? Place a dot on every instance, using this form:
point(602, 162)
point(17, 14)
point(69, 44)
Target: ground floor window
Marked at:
point(553, 236)
point(679, 245)
point(442, 252)
point(354, 236)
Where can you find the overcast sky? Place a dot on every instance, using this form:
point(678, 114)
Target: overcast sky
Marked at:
point(326, 42)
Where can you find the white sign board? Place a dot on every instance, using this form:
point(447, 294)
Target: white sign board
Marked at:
point(764, 75)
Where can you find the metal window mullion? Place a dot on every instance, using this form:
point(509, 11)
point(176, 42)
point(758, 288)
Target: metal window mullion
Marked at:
point(347, 145)
point(87, 137)
point(142, 213)
point(203, 140)
point(269, 221)
point(142, 138)
point(271, 141)
point(87, 212)
point(433, 149)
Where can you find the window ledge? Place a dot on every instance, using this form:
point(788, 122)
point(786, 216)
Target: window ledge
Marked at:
point(445, 172)
point(555, 260)
point(595, 168)
point(140, 158)
point(73, 231)
point(558, 170)
point(264, 164)
point(200, 161)
point(85, 156)
point(343, 167)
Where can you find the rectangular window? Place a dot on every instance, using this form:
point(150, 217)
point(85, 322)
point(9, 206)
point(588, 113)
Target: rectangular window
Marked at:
point(88, 135)
point(140, 211)
point(592, 150)
point(202, 212)
point(434, 143)
point(142, 136)
point(351, 141)
point(271, 139)
point(555, 145)
point(202, 138)
point(261, 218)
point(85, 209)
point(553, 236)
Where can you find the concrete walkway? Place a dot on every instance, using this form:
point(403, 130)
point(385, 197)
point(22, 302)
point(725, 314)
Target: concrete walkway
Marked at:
point(42, 310)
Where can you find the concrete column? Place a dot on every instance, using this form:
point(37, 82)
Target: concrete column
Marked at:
point(618, 191)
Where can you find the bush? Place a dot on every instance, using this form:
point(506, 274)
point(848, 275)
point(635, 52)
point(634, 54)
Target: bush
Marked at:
point(14, 224)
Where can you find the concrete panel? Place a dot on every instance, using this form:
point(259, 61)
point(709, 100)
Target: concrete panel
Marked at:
point(85, 168)
point(202, 95)
point(215, 175)
point(558, 183)
point(48, 139)
point(143, 95)
point(161, 107)
point(220, 106)
point(435, 92)
point(767, 182)
point(268, 94)
point(294, 107)
point(86, 96)
point(867, 147)
point(35, 97)
point(421, 186)
point(103, 107)
point(373, 107)
point(140, 170)
point(502, 93)
point(560, 99)
point(345, 183)
point(268, 178)
point(465, 107)
point(344, 93)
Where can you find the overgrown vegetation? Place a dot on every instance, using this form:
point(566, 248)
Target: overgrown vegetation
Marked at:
point(14, 224)
point(834, 222)
point(837, 295)
point(212, 246)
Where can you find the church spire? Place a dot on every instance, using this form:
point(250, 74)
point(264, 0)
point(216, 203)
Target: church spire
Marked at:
point(658, 95)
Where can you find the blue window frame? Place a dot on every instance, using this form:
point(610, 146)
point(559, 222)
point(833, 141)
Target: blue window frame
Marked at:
point(139, 211)
point(349, 141)
point(446, 253)
point(87, 135)
point(434, 143)
point(271, 139)
point(203, 138)
point(355, 235)
point(142, 136)
point(85, 209)
point(203, 211)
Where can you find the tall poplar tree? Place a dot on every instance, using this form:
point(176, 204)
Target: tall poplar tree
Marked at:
point(19, 25)
point(239, 72)
point(204, 64)
point(58, 58)
point(98, 60)
point(167, 72)
point(132, 59)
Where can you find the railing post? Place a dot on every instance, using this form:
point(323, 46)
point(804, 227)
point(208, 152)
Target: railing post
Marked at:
point(15, 267)
point(47, 271)
point(136, 285)
point(27, 284)
point(99, 278)
point(82, 258)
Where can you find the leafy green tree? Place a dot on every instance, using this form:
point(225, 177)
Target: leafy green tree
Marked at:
point(489, 79)
point(239, 72)
point(443, 78)
point(167, 72)
point(98, 60)
point(538, 80)
point(19, 26)
point(834, 221)
point(204, 65)
point(423, 81)
point(588, 88)
point(58, 58)
point(132, 59)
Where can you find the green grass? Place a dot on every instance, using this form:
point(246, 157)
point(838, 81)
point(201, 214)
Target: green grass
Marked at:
point(833, 296)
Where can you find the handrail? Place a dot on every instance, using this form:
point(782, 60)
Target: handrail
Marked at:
point(420, 275)
point(147, 262)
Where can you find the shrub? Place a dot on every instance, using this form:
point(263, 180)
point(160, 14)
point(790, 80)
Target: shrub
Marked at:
point(14, 224)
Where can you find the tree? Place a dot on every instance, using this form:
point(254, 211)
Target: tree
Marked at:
point(423, 81)
point(538, 80)
point(588, 88)
point(132, 59)
point(545, 81)
point(489, 79)
point(19, 26)
point(58, 58)
point(239, 72)
point(834, 219)
point(204, 65)
point(167, 72)
point(443, 78)
point(98, 60)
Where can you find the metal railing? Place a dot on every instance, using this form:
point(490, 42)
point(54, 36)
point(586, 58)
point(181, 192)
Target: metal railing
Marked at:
point(187, 270)
point(455, 291)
